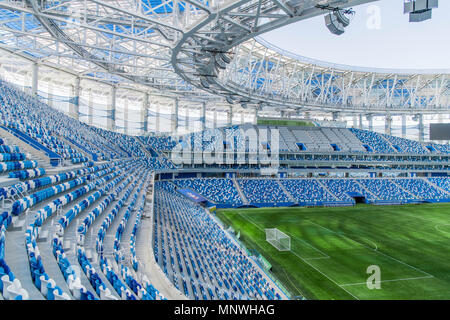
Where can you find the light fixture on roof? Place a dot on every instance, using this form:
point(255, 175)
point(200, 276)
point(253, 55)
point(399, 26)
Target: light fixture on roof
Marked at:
point(229, 99)
point(204, 83)
point(338, 19)
point(419, 10)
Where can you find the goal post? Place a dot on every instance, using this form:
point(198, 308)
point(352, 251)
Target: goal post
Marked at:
point(278, 239)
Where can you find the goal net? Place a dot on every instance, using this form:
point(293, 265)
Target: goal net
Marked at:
point(278, 239)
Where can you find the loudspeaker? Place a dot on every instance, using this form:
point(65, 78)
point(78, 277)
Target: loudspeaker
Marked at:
point(420, 16)
point(332, 23)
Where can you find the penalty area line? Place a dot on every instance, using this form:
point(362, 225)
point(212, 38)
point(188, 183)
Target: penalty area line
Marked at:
point(375, 250)
point(324, 255)
point(390, 280)
point(326, 276)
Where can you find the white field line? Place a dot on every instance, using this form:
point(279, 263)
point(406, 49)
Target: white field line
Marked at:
point(391, 280)
point(384, 254)
point(304, 260)
point(315, 268)
point(318, 258)
point(325, 256)
point(441, 225)
point(293, 284)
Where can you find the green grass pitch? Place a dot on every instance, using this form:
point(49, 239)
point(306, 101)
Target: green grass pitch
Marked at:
point(331, 249)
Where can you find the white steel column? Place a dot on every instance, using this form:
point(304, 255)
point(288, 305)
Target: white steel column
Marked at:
point(421, 128)
point(230, 116)
point(125, 115)
point(175, 115)
point(388, 124)
point(157, 117)
point(111, 120)
point(144, 113)
point(203, 115)
point(34, 79)
point(369, 118)
point(403, 125)
point(91, 108)
point(74, 105)
point(215, 118)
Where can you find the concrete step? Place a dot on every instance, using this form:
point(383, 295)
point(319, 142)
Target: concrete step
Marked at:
point(41, 157)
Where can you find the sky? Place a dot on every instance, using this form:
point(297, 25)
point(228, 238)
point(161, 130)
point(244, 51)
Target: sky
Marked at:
point(379, 35)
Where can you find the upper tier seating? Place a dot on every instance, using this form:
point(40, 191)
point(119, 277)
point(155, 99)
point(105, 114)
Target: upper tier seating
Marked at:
point(405, 145)
point(308, 190)
point(263, 191)
point(216, 190)
point(341, 188)
point(443, 183)
point(374, 140)
point(386, 189)
point(422, 189)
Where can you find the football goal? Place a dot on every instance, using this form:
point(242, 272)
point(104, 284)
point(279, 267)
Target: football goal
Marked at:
point(278, 239)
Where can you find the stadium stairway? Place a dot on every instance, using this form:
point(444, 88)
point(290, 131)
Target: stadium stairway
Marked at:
point(91, 236)
point(145, 255)
point(434, 185)
point(366, 189)
point(39, 156)
point(144, 148)
point(149, 265)
point(291, 198)
point(327, 190)
point(70, 238)
point(75, 147)
point(416, 196)
point(241, 194)
point(17, 257)
point(111, 234)
point(388, 142)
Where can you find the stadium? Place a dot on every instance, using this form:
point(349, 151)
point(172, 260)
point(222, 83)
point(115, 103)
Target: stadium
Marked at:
point(166, 150)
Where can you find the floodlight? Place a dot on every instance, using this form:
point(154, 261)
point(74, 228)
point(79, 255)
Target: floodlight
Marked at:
point(419, 10)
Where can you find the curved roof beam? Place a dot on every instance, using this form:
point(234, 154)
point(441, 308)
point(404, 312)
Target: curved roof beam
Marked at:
point(255, 74)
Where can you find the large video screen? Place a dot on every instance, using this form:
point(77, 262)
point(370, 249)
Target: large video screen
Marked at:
point(439, 131)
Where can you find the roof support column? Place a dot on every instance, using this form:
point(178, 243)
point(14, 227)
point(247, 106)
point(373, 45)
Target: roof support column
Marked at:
point(403, 125)
point(34, 79)
point(157, 117)
point(230, 116)
point(421, 128)
point(388, 124)
point(125, 116)
point(360, 123)
point(144, 114)
point(74, 105)
point(111, 120)
point(242, 117)
point(369, 118)
point(335, 115)
point(50, 94)
point(91, 108)
point(203, 116)
point(175, 116)
point(215, 118)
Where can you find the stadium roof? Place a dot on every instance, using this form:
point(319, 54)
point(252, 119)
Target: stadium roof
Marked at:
point(207, 50)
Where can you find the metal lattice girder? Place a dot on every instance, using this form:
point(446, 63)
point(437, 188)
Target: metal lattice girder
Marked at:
point(262, 74)
point(207, 51)
point(127, 39)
